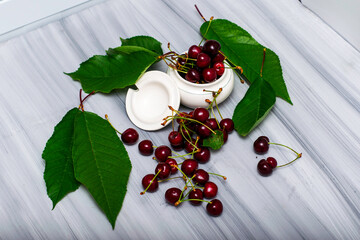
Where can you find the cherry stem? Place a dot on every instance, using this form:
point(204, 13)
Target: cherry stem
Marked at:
point(298, 156)
point(107, 118)
point(286, 147)
point(143, 192)
point(197, 9)
point(263, 61)
point(184, 176)
point(200, 200)
point(218, 175)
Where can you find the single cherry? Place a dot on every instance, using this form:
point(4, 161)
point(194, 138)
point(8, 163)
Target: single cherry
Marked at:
point(218, 58)
point(192, 75)
point(147, 180)
point(201, 114)
point(210, 190)
point(129, 136)
point(172, 162)
point(261, 145)
point(196, 194)
point(211, 47)
point(201, 177)
point(146, 147)
point(203, 155)
point(214, 208)
point(264, 168)
point(172, 195)
point(203, 131)
point(164, 169)
point(272, 161)
point(175, 138)
point(219, 68)
point(194, 51)
point(227, 124)
point(189, 166)
point(209, 74)
point(162, 153)
point(203, 60)
point(211, 123)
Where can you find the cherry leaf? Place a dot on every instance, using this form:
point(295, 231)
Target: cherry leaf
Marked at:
point(254, 107)
point(120, 69)
point(215, 141)
point(59, 172)
point(101, 162)
point(243, 50)
point(147, 42)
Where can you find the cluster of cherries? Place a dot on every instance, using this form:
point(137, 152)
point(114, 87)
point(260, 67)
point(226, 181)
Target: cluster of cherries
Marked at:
point(200, 64)
point(265, 166)
point(193, 128)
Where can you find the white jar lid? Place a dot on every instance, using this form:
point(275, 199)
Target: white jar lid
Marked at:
point(147, 106)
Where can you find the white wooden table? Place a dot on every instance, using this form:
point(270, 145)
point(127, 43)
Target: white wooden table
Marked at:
point(318, 197)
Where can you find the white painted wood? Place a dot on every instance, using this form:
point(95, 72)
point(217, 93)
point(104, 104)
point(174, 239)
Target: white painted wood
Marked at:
point(315, 198)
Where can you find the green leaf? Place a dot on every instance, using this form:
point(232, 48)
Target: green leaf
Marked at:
point(253, 108)
point(101, 162)
point(114, 71)
point(215, 141)
point(59, 172)
point(147, 42)
point(244, 51)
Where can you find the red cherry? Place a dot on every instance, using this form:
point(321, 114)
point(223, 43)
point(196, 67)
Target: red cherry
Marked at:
point(172, 162)
point(172, 195)
point(211, 47)
point(146, 147)
point(210, 190)
point(201, 114)
point(162, 153)
point(196, 194)
point(211, 123)
point(203, 60)
point(147, 180)
point(189, 166)
point(218, 58)
point(201, 177)
point(272, 161)
point(219, 68)
point(194, 51)
point(175, 138)
point(261, 145)
point(203, 155)
point(264, 168)
point(214, 208)
point(227, 124)
point(129, 136)
point(209, 74)
point(164, 169)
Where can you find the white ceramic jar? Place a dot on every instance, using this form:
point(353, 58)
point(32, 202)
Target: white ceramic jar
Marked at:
point(192, 95)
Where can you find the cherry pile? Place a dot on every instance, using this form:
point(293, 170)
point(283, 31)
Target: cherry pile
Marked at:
point(189, 130)
point(266, 166)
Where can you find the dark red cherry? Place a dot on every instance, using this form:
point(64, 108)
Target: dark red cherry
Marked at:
point(192, 75)
point(210, 190)
point(194, 51)
point(147, 180)
point(209, 74)
point(201, 114)
point(189, 147)
point(181, 60)
point(219, 68)
point(227, 124)
point(218, 58)
point(129, 136)
point(164, 169)
point(201, 177)
point(211, 47)
point(172, 162)
point(203, 155)
point(196, 194)
point(214, 208)
point(203, 60)
point(146, 147)
point(175, 138)
point(261, 145)
point(211, 123)
point(162, 153)
point(265, 137)
point(272, 161)
point(264, 168)
point(172, 195)
point(189, 166)
point(203, 131)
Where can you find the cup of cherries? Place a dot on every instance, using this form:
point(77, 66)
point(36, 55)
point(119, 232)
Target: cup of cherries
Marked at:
point(201, 67)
